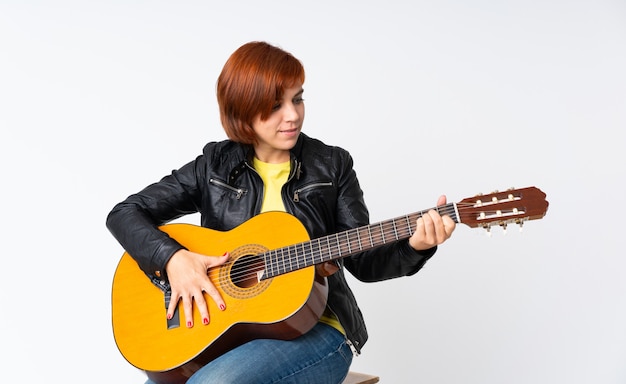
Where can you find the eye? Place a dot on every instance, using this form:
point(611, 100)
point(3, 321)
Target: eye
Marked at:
point(276, 106)
point(298, 100)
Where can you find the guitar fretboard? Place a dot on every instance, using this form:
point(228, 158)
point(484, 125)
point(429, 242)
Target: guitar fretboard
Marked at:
point(294, 257)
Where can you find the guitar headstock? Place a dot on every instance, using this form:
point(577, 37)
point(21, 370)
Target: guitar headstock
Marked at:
point(503, 208)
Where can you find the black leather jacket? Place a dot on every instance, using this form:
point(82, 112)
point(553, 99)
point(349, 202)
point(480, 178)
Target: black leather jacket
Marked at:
point(322, 192)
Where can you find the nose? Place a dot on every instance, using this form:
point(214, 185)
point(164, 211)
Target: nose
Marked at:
point(291, 112)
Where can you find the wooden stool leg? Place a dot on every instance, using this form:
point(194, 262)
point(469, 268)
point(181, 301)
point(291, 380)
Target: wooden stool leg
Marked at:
point(360, 378)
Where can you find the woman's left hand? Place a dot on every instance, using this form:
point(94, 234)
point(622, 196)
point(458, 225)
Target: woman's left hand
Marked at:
point(432, 229)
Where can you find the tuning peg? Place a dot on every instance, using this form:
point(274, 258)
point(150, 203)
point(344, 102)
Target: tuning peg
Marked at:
point(487, 230)
point(503, 225)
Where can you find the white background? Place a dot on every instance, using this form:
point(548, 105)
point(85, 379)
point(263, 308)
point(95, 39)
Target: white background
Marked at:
point(98, 99)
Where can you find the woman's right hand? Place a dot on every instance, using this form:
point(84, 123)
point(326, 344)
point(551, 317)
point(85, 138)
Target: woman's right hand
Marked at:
point(187, 273)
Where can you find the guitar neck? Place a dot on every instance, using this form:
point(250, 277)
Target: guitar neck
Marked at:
point(287, 259)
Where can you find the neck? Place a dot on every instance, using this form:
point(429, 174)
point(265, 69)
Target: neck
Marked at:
point(272, 157)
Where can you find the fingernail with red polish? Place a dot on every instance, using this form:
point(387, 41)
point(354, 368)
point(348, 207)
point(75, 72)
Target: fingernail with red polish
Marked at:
point(222, 307)
point(189, 324)
point(169, 316)
point(205, 321)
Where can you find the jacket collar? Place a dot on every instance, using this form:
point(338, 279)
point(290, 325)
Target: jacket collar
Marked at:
point(247, 153)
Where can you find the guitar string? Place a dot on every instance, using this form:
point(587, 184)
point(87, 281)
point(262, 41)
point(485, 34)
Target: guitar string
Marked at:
point(288, 264)
point(248, 268)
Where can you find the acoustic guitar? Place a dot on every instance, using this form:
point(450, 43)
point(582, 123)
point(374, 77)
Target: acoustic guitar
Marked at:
point(269, 284)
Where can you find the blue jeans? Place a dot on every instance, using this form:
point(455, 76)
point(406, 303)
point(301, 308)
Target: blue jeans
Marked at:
point(321, 356)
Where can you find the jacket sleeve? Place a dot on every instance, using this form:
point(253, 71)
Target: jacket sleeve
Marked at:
point(135, 221)
point(385, 262)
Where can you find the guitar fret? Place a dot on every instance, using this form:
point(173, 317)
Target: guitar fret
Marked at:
point(319, 247)
point(273, 263)
point(288, 258)
point(281, 262)
point(312, 252)
point(273, 258)
point(267, 259)
point(375, 235)
point(408, 224)
point(369, 232)
point(330, 251)
point(395, 229)
point(295, 257)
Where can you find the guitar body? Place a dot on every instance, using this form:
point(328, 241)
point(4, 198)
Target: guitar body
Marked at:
point(281, 307)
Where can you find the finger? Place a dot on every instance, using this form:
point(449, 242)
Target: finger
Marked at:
point(171, 308)
point(426, 230)
point(435, 218)
point(326, 269)
point(330, 267)
point(217, 261)
point(188, 308)
point(448, 225)
point(437, 233)
point(420, 225)
point(442, 200)
point(201, 304)
point(215, 295)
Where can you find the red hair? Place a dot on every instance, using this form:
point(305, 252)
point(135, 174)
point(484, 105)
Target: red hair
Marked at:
point(253, 79)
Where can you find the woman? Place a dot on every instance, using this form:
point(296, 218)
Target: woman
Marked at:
point(268, 164)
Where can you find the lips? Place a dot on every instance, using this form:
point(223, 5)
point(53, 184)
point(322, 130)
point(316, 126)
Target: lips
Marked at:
point(289, 131)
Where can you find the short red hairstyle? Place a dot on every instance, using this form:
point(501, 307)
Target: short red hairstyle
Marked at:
point(253, 79)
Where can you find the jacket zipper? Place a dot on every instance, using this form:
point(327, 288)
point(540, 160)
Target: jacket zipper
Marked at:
point(296, 194)
point(238, 191)
point(355, 351)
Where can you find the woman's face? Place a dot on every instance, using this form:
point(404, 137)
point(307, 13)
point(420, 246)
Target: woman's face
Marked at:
point(279, 133)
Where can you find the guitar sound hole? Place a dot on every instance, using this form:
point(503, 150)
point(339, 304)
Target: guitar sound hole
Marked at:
point(245, 271)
